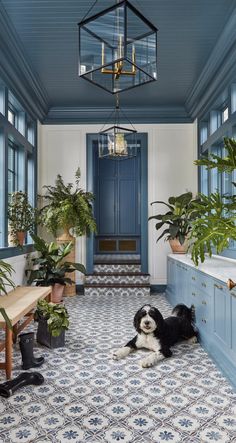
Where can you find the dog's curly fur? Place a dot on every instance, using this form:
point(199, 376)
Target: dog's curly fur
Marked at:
point(159, 334)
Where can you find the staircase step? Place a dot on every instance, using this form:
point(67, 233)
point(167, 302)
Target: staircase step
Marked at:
point(117, 268)
point(116, 285)
point(117, 291)
point(117, 278)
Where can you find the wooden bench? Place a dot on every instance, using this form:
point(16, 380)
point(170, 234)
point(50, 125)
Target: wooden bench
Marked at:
point(18, 303)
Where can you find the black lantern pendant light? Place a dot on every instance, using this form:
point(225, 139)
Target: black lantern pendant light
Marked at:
point(118, 48)
point(117, 142)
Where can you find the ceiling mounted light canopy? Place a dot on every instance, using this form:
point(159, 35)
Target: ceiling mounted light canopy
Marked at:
point(118, 48)
point(117, 142)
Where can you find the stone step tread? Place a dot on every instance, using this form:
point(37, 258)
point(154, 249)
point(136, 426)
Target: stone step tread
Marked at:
point(118, 262)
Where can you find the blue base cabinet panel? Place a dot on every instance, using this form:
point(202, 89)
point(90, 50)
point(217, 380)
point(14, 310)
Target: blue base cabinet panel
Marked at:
point(215, 311)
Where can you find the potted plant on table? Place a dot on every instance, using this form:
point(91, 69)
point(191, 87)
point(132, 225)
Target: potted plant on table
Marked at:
point(50, 268)
point(181, 212)
point(21, 216)
point(68, 209)
point(53, 321)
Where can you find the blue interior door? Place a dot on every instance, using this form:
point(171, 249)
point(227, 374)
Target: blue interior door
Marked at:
point(117, 204)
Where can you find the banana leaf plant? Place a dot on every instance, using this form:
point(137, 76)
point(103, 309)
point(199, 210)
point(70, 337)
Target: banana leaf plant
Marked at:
point(50, 266)
point(179, 217)
point(217, 225)
point(6, 271)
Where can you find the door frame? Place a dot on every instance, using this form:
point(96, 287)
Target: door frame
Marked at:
point(90, 169)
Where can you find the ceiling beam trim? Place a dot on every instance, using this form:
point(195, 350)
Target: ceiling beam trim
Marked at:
point(97, 115)
point(218, 72)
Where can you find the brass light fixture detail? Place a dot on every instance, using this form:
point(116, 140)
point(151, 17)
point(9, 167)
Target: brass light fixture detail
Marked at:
point(231, 284)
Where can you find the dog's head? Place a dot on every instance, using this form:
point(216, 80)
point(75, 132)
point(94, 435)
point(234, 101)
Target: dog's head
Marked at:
point(148, 319)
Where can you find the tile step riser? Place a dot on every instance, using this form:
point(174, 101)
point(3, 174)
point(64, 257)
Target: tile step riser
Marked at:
point(116, 291)
point(111, 279)
point(117, 268)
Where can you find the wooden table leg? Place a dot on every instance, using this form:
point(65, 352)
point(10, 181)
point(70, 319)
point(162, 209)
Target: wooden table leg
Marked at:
point(8, 353)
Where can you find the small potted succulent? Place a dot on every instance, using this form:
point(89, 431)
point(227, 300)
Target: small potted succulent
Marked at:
point(53, 321)
point(21, 216)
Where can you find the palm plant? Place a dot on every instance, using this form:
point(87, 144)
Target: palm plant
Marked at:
point(68, 207)
point(216, 226)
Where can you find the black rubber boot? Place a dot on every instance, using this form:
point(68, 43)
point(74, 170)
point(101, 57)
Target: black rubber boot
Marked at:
point(26, 342)
point(24, 379)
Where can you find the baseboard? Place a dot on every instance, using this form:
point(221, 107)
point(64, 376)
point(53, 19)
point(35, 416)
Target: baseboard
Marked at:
point(157, 289)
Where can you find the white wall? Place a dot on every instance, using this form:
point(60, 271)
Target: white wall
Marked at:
point(19, 264)
point(172, 148)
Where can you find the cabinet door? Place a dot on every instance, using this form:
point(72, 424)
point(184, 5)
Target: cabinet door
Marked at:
point(233, 322)
point(222, 323)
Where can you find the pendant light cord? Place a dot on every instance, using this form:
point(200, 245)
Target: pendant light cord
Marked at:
point(90, 9)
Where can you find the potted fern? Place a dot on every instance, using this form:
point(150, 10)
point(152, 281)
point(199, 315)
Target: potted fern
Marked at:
point(53, 321)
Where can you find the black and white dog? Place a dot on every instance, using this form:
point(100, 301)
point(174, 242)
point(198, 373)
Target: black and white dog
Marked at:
point(157, 334)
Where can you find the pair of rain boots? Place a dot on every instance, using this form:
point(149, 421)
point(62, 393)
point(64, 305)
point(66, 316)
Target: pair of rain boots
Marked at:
point(26, 342)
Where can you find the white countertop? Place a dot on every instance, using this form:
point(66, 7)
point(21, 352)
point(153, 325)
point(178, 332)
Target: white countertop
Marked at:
point(221, 268)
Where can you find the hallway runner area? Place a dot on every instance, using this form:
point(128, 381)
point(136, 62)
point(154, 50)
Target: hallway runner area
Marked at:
point(87, 397)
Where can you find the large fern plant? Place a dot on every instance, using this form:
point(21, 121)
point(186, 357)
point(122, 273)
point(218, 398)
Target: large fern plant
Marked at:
point(68, 207)
point(217, 225)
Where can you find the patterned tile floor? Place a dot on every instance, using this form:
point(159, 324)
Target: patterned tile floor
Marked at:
point(87, 397)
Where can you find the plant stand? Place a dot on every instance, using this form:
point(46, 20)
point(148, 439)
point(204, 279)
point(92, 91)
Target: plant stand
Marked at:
point(69, 290)
point(46, 339)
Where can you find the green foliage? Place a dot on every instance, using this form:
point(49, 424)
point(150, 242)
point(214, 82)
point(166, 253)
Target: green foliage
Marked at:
point(225, 164)
point(216, 226)
point(181, 212)
point(68, 207)
point(21, 215)
point(6, 271)
point(50, 267)
point(56, 315)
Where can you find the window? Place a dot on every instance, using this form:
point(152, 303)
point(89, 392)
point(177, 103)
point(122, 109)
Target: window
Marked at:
point(17, 158)
point(225, 114)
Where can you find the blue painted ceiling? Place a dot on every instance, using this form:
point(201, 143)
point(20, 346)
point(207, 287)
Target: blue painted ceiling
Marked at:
point(48, 33)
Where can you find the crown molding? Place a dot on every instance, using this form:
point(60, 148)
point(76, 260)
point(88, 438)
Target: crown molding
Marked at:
point(16, 72)
point(217, 74)
point(99, 115)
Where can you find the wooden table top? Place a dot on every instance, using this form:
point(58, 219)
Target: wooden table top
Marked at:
point(21, 300)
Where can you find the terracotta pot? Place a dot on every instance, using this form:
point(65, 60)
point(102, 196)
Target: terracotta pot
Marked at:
point(20, 235)
point(57, 293)
point(176, 246)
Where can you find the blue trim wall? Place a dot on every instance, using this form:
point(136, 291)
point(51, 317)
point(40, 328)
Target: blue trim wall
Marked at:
point(144, 199)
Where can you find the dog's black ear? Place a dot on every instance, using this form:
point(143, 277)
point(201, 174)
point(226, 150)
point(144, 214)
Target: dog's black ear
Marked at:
point(157, 316)
point(137, 319)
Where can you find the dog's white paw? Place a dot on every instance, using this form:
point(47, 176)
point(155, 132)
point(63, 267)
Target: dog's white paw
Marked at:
point(121, 353)
point(148, 362)
point(192, 340)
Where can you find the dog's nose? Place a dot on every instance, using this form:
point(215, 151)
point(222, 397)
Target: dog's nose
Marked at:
point(147, 322)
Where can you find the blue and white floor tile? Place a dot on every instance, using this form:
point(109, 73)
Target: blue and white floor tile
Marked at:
point(89, 398)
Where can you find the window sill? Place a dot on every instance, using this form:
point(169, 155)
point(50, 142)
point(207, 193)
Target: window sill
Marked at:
point(13, 251)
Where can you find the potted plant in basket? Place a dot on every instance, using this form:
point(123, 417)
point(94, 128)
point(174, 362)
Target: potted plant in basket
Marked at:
point(181, 212)
point(21, 216)
point(53, 321)
point(51, 268)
